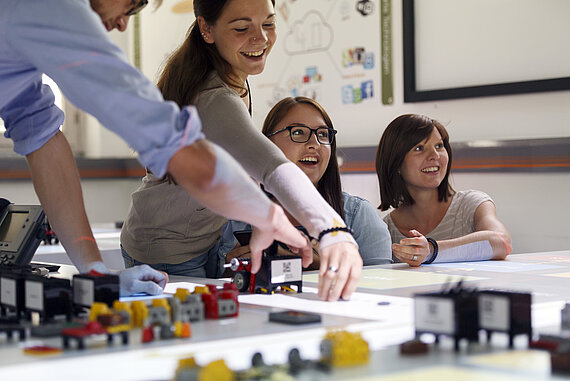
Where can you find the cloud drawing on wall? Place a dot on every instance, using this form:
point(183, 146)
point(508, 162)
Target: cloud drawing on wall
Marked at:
point(311, 34)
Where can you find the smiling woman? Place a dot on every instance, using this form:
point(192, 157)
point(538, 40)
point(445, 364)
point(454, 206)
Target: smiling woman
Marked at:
point(413, 163)
point(166, 228)
point(303, 130)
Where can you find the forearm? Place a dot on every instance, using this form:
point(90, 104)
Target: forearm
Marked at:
point(481, 245)
point(298, 195)
point(214, 178)
point(57, 185)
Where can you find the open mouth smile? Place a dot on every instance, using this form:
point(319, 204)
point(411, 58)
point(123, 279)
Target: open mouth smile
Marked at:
point(255, 54)
point(430, 169)
point(309, 160)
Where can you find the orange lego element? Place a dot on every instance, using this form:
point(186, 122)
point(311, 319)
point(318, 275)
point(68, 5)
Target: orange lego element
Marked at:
point(182, 329)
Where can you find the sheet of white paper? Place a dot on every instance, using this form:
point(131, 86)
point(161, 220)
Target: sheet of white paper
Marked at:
point(385, 308)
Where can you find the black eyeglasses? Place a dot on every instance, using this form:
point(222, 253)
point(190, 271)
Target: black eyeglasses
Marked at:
point(301, 134)
point(136, 8)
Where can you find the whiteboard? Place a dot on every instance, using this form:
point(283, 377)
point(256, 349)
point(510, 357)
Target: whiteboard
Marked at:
point(325, 50)
point(465, 43)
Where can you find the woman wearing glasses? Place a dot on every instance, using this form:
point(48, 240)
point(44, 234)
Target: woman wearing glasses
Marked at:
point(169, 230)
point(303, 130)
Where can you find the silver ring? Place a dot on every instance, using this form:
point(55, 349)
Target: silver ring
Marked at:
point(334, 269)
point(415, 258)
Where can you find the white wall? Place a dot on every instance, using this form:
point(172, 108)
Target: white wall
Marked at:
point(105, 200)
point(533, 207)
point(523, 116)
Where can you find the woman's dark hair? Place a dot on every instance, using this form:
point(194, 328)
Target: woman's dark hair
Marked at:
point(187, 68)
point(329, 185)
point(401, 135)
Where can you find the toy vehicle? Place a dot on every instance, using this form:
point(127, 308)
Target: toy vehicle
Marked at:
point(277, 271)
point(218, 303)
point(452, 312)
point(81, 333)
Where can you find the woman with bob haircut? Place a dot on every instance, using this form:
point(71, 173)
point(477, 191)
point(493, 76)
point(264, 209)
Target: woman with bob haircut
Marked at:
point(430, 221)
point(303, 130)
point(230, 40)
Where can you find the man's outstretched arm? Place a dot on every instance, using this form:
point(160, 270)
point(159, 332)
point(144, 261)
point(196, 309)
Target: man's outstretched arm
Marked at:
point(213, 177)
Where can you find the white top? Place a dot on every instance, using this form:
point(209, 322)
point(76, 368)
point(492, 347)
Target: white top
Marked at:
point(457, 222)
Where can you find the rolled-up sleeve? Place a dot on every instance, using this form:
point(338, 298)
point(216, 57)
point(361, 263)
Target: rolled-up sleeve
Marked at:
point(94, 74)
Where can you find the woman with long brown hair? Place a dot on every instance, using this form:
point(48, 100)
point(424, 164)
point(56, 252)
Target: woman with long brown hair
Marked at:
point(303, 130)
point(430, 221)
point(229, 41)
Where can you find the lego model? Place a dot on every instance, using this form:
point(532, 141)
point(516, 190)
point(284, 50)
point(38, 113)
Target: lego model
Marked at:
point(451, 312)
point(102, 320)
point(296, 368)
point(298, 365)
point(42, 350)
point(342, 348)
point(461, 312)
point(338, 348)
point(414, 347)
point(505, 311)
point(559, 349)
point(24, 291)
point(51, 237)
point(10, 328)
point(188, 370)
point(186, 306)
point(218, 303)
point(80, 334)
point(95, 287)
point(277, 271)
point(159, 320)
point(12, 296)
point(50, 297)
point(115, 321)
point(565, 317)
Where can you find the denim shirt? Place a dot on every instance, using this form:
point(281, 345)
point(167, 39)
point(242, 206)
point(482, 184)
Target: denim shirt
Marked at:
point(370, 232)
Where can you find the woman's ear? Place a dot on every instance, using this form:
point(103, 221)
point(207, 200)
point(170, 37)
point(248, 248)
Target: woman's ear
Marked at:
point(205, 30)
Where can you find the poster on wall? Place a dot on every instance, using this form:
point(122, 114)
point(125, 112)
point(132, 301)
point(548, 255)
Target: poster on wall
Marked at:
point(328, 50)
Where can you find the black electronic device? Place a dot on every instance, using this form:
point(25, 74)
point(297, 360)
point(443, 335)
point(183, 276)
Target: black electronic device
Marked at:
point(95, 287)
point(294, 317)
point(21, 231)
point(505, 311)
point(451, 312)
point(243, 236)
point(49, 297)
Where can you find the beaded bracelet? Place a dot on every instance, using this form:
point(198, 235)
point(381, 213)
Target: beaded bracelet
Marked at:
point(335, 229)
point(435, 251)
